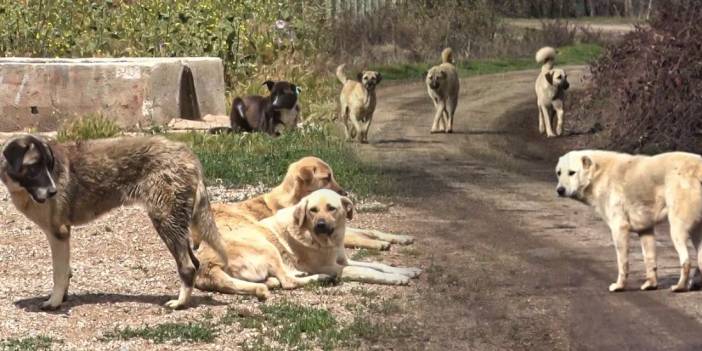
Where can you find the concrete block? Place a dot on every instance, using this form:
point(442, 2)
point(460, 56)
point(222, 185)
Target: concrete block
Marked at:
point(42, 93)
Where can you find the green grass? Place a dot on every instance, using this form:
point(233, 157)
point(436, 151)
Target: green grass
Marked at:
point(239, 159)
point(175, 332)
point(289, 326)
point(364, 253)
point(39, 342)
point(88, 127)
point(568, 55)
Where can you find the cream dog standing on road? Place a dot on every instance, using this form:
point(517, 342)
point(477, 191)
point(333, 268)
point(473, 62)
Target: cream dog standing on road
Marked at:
point(443, 86)
point(296, 246)
point(633, 194)
point(550, 88)
point(357, 102)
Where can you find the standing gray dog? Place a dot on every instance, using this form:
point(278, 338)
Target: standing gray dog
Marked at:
point(61, 185)
point(550, 88)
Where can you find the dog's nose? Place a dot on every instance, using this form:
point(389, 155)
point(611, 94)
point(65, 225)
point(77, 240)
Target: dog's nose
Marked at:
point(322, 227)
point(51, 192)
point(561, 191)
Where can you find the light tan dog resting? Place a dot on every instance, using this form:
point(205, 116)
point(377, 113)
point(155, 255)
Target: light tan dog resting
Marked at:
point(550, 88)
point(443, 86)
point(297, 245)
point(633, 194)
point(357, 102)
point(302, 178)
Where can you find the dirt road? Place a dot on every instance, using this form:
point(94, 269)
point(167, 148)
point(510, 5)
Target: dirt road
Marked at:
point(510, 266)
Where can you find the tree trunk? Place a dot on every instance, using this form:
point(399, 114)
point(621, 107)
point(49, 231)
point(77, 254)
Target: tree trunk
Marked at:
point(628, 7)
point(649, 9)
point(590, 7)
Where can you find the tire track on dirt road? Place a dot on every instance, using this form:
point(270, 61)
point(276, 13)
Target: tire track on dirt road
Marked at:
point(509, 265)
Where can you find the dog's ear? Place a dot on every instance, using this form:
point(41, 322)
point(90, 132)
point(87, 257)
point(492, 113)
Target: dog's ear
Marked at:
point(306, 174)
point(549, 77)
point(14, 153)
point(269, 84)
point(300, 213)
point(46, 153)
point(587, 162)
point(296, 90)
point(379, 78)
point(348, 207)
point(359, 76)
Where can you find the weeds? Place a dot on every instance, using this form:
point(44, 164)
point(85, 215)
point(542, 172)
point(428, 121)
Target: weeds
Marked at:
point(33, 343)
point(238, 159)
point(167, 332)
point(88, 127)
point(360, 254)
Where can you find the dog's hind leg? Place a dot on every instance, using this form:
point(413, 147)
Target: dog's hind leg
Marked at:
point(215, 279)
point(696, 235)
point(378, 235)
point(173, 230)
point(452, 112)
point(357, 240)
point(59, 242)
point(406, 271)
point(372, 276)
point(541, 120)
point(648, 248)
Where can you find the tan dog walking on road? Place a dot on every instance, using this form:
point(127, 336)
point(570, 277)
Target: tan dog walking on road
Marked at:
point(443, 86)
point(357, 100)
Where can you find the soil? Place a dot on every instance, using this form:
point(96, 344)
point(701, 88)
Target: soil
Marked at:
point(509, 265)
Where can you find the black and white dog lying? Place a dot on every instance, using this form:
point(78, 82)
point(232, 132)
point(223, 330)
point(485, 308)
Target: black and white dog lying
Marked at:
point(270, 114)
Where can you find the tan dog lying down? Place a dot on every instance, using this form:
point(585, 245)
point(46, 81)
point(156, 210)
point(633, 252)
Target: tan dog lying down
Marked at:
point(303, 177)
point(296, 246)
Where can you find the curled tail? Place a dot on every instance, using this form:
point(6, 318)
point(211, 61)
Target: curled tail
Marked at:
point(237, 117)
point(546, 56)
point(204, 227)
point(447, 56)
point(340, 74)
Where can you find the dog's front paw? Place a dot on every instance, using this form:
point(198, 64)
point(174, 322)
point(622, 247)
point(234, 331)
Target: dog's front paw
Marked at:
point(616, 287)
point(383, 246)
point(551, 135)
point(649, 285)
point(49, 305)
point(262, 293)
point(401, 280)
point(175, 305)
point(679, 288)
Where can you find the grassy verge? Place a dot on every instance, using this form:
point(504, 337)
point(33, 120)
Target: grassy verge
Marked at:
point(28, 344)
point(568, 55)
point(281, 326)
point(239, 159)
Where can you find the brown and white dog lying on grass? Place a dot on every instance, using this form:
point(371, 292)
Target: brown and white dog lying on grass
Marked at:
point(296, 246)
point(302, 178)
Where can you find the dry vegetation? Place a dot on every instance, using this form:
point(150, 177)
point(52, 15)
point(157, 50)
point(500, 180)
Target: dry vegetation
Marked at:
point(644, 93)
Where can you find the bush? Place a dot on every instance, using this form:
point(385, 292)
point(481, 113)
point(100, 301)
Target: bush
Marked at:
point(645, 89)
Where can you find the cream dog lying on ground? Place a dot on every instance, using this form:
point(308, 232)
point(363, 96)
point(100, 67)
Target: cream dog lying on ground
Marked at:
point(298, 245)
point(633, 194)
point(302, 178)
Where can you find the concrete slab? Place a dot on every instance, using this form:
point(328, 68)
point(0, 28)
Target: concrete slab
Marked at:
point(41, 93)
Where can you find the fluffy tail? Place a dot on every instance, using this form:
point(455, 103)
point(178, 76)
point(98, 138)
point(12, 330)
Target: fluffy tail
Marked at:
point(546, 56)
point(203, 225)
point(340, 74)
point(447, 56)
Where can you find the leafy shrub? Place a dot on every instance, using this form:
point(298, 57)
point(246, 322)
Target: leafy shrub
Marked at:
point(88, 127)
point(645, 89)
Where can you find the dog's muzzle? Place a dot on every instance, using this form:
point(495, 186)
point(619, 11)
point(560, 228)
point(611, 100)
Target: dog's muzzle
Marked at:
point(284, 101)
point(434, 85)
point(322, 227)
point(566, 85)
point(561, 191)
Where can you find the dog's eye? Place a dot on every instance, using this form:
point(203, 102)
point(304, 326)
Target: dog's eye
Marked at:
point(570, 173)
point(33, 169)
point(331, 208)
point(558, 173)
point(314, 210)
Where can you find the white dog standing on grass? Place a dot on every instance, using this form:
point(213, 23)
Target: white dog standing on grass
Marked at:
point(550, 88)
point(633, 194)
